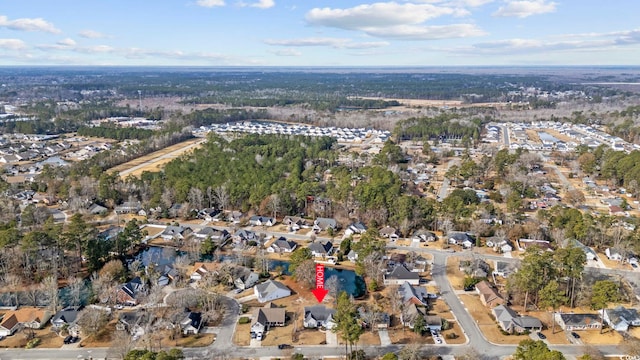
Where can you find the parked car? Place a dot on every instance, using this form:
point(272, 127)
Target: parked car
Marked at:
point(284, 346)
point(541, 335)
point(74, 340)
point(575, 335)
point(437, 340)
point(67, 340)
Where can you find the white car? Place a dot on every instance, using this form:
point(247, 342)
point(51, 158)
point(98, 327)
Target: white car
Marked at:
point(437, 340)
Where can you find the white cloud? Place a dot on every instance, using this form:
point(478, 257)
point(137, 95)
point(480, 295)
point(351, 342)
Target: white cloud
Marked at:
point(523, 9)
point(91, 34)
point(378, 15)
point(264, 4)
point(286, 52)
point(210, 3)
point(433, 32)
point(392, 20)
point(28, 24)
point(67, 42)
point(12, 44)
point(337, 43)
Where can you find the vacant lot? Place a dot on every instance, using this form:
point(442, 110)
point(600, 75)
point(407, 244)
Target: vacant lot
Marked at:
point(156, 160)
point(48, 339)
point(242, 337)
point(455, 276)
point(608, 337)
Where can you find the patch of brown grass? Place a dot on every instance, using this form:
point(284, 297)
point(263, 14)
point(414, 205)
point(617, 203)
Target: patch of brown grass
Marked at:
point(199, 340)
point(48, 339)
point(103, 338)
point(455, 329)
point(455, 276)
point(242, 336)
point(311, 337)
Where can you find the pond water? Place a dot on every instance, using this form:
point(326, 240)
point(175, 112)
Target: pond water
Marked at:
point(548, 138)
point(349, 281)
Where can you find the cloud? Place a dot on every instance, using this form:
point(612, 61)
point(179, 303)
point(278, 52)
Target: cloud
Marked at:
point(433, 32)
point(91, 34)
point(336, 43)
point(67, 42)
point(26, 24)
point(263, 4)
point(378, 15)
point(12, 44)
point(286, 52)
point(392, 20)
point(576, 42)
point(523, 9)
point(210, 3)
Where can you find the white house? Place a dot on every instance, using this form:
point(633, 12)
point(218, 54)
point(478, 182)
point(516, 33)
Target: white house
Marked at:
point(613, 254)
point(620, 318)
point(318, 316)
point(271, 290)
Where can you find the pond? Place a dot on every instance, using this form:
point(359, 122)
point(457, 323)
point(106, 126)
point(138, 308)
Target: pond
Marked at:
point(349, 281)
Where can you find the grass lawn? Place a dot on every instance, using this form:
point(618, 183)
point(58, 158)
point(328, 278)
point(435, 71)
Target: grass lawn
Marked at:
point(278, 335)
point(593, 337)
point(485, 322)
point(198, 340)
point(103, 338)
point(311, 337)
point(455, 276)
point(48, 339)
point(242, 337)
point(407, 336)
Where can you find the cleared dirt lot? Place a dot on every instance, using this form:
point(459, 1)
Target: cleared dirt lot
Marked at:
point(156, 160)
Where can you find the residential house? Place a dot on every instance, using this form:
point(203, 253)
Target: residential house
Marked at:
point(413, 294)
point(573, 322)
point(499, 244)
point(511, 322)
point(191, 323)
point(322, 224)
point(614, 254)
point(133, 322)
point(589, 252)
point(318, 316)
point(234, 216)
point(96, 209)
point(128, 293)
point(523, 244)
point(167, 274)
point(295, 223)
point(615, 210)
point(129, 207)
point(209, 214)
point(216, 235)
point(282, 245)
point(433, 322)
point(381, 320)
point(389, 233)
point(321, 249)
point(258, 220)
point(30, 317)
point(246, 279)
point(265, 318)
point(477, 267)
point(244, 236)
point(355, 228)
point(200, 270)
point(352, 256)
point(504, 268)
point(620, 318)
point(424, 236)
point(489, 296)
point(460, 238)
point(271, 290)
point(67, 317)
point(400, 274)
point(410, 313)
point(171, 233)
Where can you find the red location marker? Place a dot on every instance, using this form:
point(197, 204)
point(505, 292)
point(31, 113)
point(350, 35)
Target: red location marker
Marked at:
point(319, 291)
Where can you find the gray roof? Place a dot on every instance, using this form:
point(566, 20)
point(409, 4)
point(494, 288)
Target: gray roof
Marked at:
point(66, 316)
point(401, 273)
point(620, 314)
point(408, 292)
point(283, 243)
point(579, 319)
point(270, 286)
point(318, 312)
point(321, 248)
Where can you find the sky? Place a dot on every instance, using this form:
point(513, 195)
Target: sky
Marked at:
point(319, 33)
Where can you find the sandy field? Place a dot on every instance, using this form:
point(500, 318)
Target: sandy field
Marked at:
point(156, 160)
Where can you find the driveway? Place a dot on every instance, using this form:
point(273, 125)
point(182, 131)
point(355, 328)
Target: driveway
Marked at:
point(331, 338)
point(384, 337)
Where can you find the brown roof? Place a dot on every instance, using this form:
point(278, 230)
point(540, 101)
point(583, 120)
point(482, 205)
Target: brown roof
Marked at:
point(270, 314)
point(9, 322)
point(488, 294)
point(24, 315)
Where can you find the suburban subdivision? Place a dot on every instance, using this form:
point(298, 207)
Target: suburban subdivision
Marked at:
point(150, 215)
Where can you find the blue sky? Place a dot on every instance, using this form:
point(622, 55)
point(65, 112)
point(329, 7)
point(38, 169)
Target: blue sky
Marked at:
point(319, 33)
